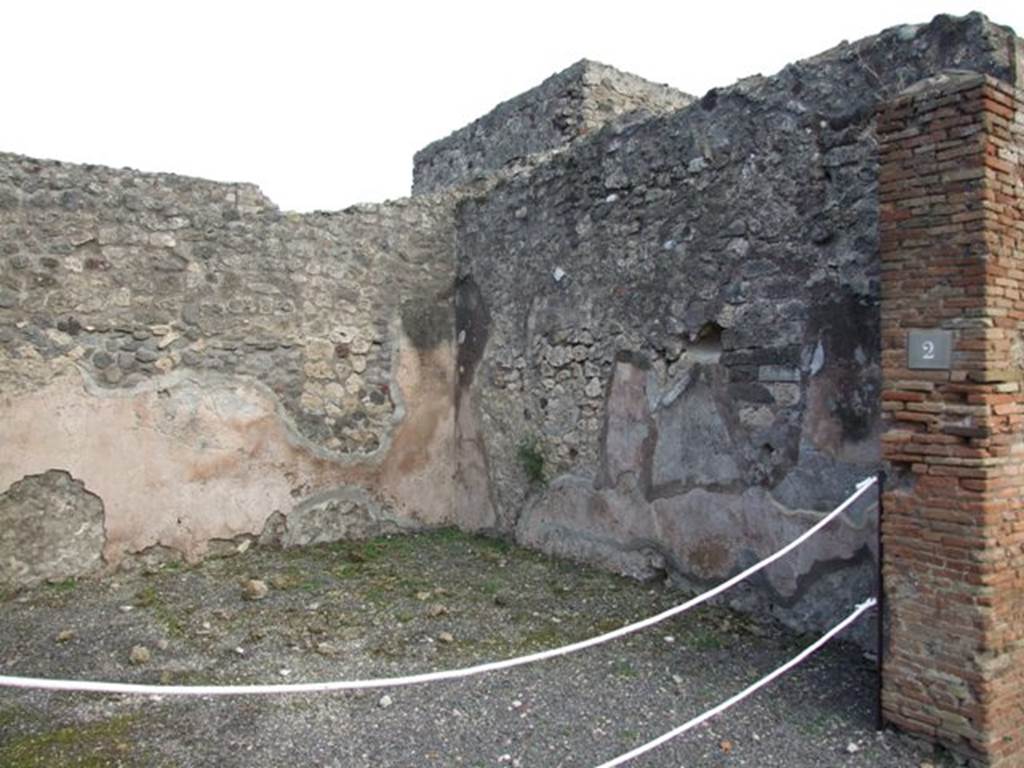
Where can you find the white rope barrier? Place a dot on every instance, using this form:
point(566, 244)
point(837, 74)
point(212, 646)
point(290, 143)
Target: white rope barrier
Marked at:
point(704, 717)
point(92, 686)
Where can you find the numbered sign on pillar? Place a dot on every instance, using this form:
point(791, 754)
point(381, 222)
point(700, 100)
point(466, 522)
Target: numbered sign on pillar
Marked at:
point(929, 349)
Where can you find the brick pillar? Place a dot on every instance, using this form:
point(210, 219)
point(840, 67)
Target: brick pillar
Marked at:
point(951, 199)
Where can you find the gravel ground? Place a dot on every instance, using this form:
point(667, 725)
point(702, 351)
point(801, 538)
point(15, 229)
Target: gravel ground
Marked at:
point(409, 604)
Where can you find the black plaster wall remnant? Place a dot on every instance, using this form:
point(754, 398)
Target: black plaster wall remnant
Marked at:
point(427, 321)
point(472, 328)
point(847, 328)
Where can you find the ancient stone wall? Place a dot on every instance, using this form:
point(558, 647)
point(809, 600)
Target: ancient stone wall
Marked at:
point(618, 324)
point(615, 324)
point(952, 229)
point(677, 323)
point(200, 360)
point(566, 106)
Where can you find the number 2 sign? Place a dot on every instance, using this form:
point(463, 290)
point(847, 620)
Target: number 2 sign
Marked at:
point(929, 349)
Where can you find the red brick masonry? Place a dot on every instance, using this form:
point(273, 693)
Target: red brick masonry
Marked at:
point(951, 197)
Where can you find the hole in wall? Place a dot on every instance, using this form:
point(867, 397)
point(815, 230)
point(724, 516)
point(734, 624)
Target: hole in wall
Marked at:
point(706, 344)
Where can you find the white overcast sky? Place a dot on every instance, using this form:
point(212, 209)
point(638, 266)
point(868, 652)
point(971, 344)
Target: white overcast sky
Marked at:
point(324, 103)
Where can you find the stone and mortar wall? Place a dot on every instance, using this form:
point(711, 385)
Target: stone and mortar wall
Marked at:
point(665, 355)
point(197, 365)
point(198, 361)
point(680, 318)
point(952, 230)
point(545, 119)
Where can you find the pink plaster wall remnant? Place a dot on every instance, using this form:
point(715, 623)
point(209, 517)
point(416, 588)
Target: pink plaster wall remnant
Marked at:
point(628, 434)
point(187, 458)
point(474, 507)
point(692, 524)
point(623, 530)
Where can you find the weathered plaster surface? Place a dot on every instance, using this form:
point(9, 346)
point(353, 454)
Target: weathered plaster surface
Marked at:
point(190, 457)
point(206, 363)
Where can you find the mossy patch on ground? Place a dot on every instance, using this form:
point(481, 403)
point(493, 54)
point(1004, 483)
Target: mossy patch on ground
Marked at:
point(392, 605)
point(87, 745)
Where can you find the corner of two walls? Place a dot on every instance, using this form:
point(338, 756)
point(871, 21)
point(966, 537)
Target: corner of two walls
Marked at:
point(665, 354)
point(669, 344)
point(181, 364)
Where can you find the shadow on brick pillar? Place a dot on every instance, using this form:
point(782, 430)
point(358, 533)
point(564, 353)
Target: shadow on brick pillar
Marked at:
point(951, 195)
